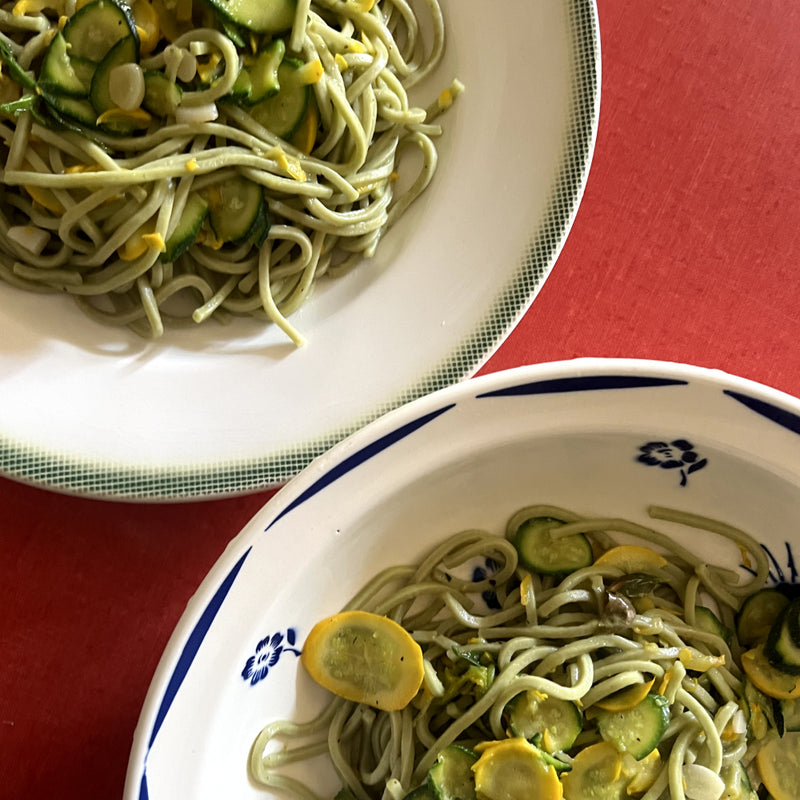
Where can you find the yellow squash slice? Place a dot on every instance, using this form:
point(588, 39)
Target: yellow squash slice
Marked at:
point(513, 769)
point(366, 658)
point(773, 682)
point(778, 763)
point(631, 558)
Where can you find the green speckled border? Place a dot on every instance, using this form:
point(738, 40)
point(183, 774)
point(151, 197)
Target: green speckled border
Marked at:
point(118, 481)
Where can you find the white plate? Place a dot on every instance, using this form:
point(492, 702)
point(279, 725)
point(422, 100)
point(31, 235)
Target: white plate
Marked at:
point(221, 410)
point(569, 434)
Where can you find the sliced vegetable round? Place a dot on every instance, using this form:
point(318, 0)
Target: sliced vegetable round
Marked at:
point(261, 16)
point(57, 73)
point(706, 620)
point(161, 95)
point(124, 52)
point(596, 775)
point(782, 647)
point(183, 237)
point(771, 681)
point(638, 730)
point(74, 108)
point(451, 777)
point(263, 75)
point(238, 211)
point(366, 658)
point(96, 27)
point(778, 763)
point(283, 113)
point(558, 722)
point(632, 558)
point(642, 774)
point(626, 699)
point(539, 551)
point(513, 769)
point(758, 614)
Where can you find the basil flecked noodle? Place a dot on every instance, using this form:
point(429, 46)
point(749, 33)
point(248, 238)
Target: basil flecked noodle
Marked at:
point(494, 632)
point(89, 210)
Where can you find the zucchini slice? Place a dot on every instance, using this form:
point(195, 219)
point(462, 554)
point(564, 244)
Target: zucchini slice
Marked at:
point(450, 777)
point(260, 16)
point(77, 109)
point(638, 730)
point(96, 27)
point(737, 782)
point(161, 95)
point(238, 211)
point(283, 113)
point(264, 80)
point(185, 234)
point(782, 647)
point(57, 73)
point(540, 552)
point(706, 620)
point(758, 614)
point(125, 51)
point(554, 722)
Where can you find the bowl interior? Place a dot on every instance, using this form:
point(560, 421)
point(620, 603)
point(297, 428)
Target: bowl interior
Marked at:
point(605, 439)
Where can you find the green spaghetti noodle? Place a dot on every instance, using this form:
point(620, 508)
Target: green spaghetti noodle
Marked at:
point(136, 211)
point(625, 629)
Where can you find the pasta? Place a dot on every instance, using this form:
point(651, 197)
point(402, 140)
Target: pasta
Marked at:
point(142, 212)
point(619, 626)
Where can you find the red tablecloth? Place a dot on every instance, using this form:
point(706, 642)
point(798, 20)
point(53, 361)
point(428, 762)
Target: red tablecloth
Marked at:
point(685, 248)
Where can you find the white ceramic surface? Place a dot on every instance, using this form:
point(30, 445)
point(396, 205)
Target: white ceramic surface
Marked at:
point(568, 433)
point(219, 410)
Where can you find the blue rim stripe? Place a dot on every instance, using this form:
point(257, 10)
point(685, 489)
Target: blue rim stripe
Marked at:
point(187, 657)
point(780, 416)
point(359, 457)
point(586, 383)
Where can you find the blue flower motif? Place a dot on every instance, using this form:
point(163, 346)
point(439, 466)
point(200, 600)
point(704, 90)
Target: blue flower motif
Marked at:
point(268, 652)
point(480, 574)
point(678, 454)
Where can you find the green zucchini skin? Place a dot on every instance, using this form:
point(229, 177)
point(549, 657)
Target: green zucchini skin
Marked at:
point(541, 553)
point(185, 234)
point(782, 647)
point(161, 95)
point(282, 113)
point(96, 27)
point(238, 211)
point(125, 51)
point(58, 74)
point(638, 730)
point(259, 16)
point(450, 777)
point(758, 614)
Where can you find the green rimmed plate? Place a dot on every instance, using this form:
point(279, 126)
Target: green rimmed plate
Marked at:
point(224, 410)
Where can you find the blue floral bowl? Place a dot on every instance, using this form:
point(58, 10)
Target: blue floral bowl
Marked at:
point(604, 437)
